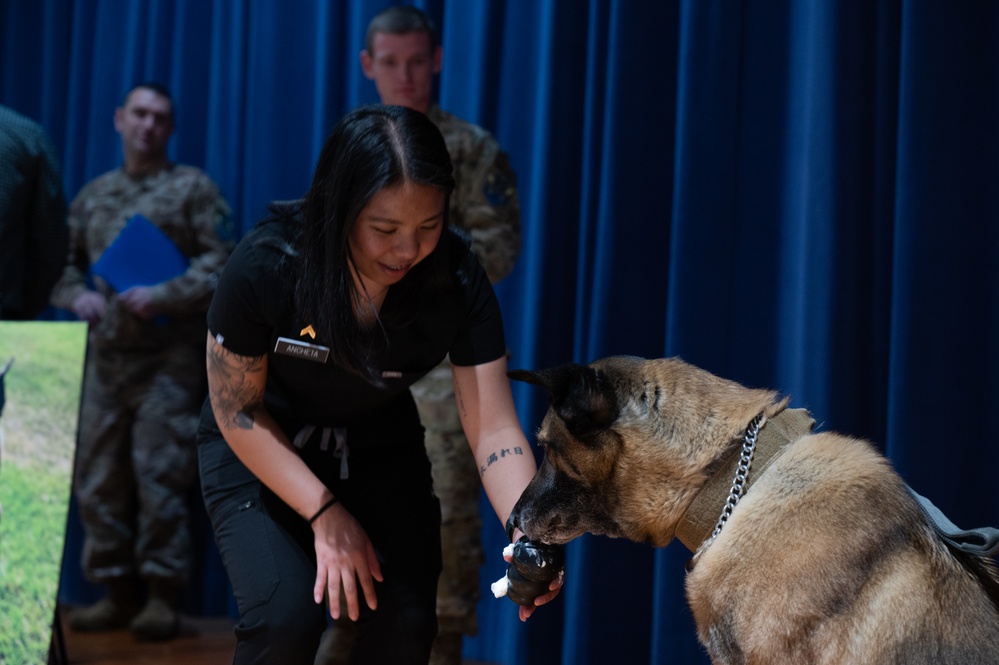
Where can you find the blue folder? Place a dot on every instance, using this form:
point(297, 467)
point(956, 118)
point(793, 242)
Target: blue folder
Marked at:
point(141, 255)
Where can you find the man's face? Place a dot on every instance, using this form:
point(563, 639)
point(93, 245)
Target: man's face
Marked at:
point(145, 123)
point(403, 68)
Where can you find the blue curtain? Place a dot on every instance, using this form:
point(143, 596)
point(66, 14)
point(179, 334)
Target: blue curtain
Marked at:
point(795, 194)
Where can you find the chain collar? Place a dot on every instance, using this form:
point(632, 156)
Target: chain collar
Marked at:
point(741, 475)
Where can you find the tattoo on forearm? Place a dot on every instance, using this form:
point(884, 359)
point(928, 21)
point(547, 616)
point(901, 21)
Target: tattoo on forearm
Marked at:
point(234, 399)
point(495, 457)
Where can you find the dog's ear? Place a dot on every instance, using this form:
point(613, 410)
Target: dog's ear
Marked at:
point(581, 396)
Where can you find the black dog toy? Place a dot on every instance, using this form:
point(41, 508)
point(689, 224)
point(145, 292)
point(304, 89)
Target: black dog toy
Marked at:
point(533, 567)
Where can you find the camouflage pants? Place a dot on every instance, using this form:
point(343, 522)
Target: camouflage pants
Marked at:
point(457, 485)
point(135, 462)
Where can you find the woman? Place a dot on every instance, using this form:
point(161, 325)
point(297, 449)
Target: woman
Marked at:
point(312, 462)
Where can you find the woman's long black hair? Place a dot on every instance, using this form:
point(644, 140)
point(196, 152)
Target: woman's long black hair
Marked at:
point(371, 148)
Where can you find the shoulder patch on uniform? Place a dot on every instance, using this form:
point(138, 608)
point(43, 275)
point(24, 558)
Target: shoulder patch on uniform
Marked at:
point(497, 188)
point(225, 228)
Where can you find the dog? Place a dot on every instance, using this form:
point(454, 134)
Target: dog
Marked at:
point(808, 547)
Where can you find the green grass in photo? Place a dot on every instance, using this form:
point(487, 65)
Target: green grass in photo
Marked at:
point(38, 436)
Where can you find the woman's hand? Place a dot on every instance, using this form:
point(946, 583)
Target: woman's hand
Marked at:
point(344, 557)
point(554, 587)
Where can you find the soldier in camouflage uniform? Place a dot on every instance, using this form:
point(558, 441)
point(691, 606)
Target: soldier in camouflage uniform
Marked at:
point(402, 56)
point(145, 375)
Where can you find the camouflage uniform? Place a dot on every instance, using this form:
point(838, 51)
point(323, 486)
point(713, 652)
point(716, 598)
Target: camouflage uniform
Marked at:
point(484, 203)
point(145, 380)
point(485, 206)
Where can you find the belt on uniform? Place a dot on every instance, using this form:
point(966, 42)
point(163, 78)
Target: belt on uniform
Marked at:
point(339, 434)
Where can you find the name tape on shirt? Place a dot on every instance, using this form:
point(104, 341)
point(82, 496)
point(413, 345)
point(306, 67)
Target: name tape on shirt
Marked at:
point(303, 350)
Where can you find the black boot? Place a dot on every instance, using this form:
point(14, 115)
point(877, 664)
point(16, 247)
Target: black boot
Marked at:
point(447, 649)
point(111, 612)
point(336, 643)
point(160, 617)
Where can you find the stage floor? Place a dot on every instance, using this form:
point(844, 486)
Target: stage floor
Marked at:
point(203, 641)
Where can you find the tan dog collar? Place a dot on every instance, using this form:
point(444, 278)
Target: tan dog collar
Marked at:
point(699, 521)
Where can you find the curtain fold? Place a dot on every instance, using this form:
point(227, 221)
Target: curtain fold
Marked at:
point(798, 195)
point(945, 321)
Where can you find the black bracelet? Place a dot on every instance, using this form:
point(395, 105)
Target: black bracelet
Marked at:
point(322, 510)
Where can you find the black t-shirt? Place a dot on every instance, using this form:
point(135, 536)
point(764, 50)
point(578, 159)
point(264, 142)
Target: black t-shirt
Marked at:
point(253, 314)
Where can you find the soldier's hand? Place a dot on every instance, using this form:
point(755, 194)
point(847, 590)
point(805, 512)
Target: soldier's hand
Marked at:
point(139, 301)
point(90, 306)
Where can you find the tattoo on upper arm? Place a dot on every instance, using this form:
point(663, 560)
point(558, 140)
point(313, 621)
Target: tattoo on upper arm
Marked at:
point(234, 399)
point(460, 401)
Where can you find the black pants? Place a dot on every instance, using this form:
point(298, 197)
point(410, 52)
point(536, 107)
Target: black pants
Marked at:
point(269, 554)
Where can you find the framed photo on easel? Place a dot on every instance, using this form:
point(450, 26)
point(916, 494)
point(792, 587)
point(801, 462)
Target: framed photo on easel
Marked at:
point(42, 363)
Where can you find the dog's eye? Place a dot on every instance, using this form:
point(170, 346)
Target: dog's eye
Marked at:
point(553, 445)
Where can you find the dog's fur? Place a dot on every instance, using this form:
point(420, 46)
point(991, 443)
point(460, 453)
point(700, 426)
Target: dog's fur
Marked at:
point(826, 559)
